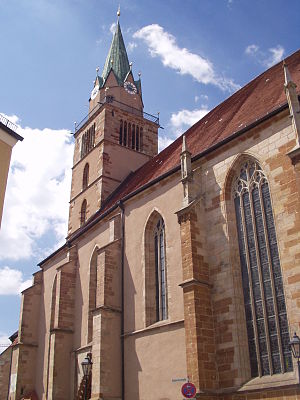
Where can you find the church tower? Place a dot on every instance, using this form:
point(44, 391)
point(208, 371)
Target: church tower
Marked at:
point(116, 138)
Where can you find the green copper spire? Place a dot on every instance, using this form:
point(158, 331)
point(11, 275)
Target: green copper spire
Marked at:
point(117, 58)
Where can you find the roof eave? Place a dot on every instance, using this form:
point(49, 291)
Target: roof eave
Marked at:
point(11, 132)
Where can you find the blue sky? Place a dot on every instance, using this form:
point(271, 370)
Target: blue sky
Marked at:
point(192, 55)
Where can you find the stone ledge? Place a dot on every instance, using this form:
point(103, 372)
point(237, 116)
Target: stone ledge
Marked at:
point(63, 330)
point(106, 308)
point(294, 154)
point(157, 325)
point(85, 347)
point(25, 344)
point(266, 383)
point(194, 282)
point(271, 381)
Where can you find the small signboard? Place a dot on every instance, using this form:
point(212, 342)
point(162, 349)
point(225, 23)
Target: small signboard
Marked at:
point(188, 390)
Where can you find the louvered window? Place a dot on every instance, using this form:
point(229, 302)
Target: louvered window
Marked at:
point(265, 310)
point(88, 140)
point(131, 135)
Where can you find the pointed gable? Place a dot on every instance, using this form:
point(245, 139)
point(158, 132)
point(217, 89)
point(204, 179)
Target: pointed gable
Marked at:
point(117, 58)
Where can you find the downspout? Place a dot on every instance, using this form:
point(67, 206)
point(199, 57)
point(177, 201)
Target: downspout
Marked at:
point(121, 205)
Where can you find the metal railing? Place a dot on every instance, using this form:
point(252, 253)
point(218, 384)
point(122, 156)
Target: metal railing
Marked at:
point(123, 106)
point(8, 123)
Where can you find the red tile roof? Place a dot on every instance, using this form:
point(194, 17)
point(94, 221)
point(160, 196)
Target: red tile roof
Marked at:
point(260, 97)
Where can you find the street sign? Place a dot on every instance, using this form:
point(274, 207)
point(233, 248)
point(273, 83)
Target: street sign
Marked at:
point(179, 380)
point(188, 390)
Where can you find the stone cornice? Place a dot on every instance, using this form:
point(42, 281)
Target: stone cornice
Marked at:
point(194, 282)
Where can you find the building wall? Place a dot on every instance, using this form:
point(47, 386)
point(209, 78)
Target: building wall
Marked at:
point(215, 231)
point(6, 144)
point(154, 353)
point(109, 162)
point(5, 362)
point(204, 337)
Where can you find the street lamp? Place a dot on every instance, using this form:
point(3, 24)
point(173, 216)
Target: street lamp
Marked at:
point(295, 347)
point(86, 368)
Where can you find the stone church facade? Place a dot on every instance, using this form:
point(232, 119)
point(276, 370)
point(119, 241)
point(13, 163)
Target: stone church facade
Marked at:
point(182, 265)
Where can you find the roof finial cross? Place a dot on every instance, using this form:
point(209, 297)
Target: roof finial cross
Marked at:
point(119, 12)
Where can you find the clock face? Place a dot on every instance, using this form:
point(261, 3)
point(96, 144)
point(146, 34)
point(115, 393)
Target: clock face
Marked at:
point(130, 88)
point(95, 92)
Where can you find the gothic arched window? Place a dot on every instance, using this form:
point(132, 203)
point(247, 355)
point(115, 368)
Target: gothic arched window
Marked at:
point(141, 139)
point(93, 280)
point(160, 271)
point(85, 176)
point(129, 135)
point(155, 270)
point(137, 138)
point(125, 134)
point(133, 137)
point(83, 212)
point(265, 310)
point(121, 132)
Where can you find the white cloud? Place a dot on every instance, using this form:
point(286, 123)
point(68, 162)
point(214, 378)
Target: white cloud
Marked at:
point(196, 99)
point(266, 58)
point(38, 190)
point(251, 49)
point(276, 55)
point(12, 282)
point(112, 28)
point(183, 119)
point(131, 46)
point(180, 122)
point(162, 44)
point(163, 142)
point(4, 341)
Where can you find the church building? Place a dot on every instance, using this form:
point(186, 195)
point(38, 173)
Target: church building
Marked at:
point(179, 267)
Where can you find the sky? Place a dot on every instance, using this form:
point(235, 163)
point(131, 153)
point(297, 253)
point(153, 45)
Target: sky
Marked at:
point(192, 55)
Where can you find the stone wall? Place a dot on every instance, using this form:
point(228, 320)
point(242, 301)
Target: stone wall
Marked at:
point(209, 243)
point(5, 362)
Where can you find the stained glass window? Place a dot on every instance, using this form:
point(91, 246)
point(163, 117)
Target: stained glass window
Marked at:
point(160, 271)
point(265, 310)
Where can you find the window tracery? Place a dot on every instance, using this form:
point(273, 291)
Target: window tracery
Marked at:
point(265, 310)
point(156, 298)
point(160, 271)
